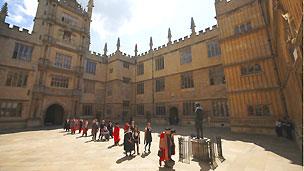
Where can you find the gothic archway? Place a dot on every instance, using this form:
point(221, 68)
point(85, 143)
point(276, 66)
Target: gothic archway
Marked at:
point(173, 116)
point(54, 115)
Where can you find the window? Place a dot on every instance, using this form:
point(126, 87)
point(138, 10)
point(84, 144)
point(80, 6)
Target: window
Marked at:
point(243, 28)
point(126, 65)
point(187, 80)
point(90, 67)
point(16, 79)
point(186, 55)
point(140, 69)
point(214, 49)
point(259, 110)
point(216, 76)
point(220, 109)
point(159, 63)
point(160, 85)
point(188, 108)
point(126, 80)
point(22, 52)
point(10, 109)
point(160, 109)
point(125, 105)
point(67, 36)
point(87, 109)
point(60, 81)
point(140, 109)
point(89, 86)
point(68, 19)
point(251, 69)
point(140, 88)
point(63, 61)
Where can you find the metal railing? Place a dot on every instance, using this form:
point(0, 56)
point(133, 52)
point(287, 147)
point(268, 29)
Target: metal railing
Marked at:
point(205, 150)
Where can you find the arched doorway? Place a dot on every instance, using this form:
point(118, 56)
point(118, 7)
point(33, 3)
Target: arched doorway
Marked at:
point(54, 115)
point(173, 118)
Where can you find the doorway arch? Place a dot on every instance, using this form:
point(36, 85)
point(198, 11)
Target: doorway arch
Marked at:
point(173, 116)
point(54, 115)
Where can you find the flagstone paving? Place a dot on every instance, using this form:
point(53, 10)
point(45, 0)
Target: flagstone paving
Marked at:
point(56, 150)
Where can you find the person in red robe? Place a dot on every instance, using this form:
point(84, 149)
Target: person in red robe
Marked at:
point(166, 148)
point(73, 126)
point(116, 134)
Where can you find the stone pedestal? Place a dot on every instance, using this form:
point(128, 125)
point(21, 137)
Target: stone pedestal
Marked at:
point(200, 149)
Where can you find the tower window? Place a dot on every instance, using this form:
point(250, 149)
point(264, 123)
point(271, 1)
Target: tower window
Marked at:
point(251, 69)
point(67, 35)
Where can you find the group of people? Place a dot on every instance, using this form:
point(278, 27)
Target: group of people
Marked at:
point(284, 127)
point(76, 124)
point(132, 138)
point(105, 130)
point(166, 147)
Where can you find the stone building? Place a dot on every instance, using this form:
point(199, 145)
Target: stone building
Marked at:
point(246, 71)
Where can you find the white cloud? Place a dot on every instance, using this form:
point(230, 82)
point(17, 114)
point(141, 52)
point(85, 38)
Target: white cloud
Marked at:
point(16, 18)
point(28, 7)
point(134, 21)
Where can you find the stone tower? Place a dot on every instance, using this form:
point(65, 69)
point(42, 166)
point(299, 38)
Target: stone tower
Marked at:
point(63, 28)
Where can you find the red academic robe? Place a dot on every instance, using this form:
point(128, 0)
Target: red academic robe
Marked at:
point(116, 134)
point(163, 146)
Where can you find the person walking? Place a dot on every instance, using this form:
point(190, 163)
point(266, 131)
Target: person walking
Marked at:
point(94, 129)
point(148, 136)
point(166, 148)
point(128, 142)
point(85, 128)
point(110, 128)
point(116, 134)
point(136, 138)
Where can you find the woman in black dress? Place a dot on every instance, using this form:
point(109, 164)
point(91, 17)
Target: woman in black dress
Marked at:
point(128, 142)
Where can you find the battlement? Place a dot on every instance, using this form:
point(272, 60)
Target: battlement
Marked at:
point(119, 53)
point(73, 5)
point(224, 6)
point(18, 30)
point(181, 41)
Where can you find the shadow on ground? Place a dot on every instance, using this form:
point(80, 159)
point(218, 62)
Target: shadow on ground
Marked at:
point(277, 145)
point(125, 158)
point(12, 131)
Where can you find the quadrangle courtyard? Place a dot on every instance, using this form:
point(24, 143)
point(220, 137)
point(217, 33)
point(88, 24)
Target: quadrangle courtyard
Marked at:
point(53, 149)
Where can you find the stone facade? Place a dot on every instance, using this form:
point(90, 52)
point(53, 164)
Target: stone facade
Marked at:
point(240, 70)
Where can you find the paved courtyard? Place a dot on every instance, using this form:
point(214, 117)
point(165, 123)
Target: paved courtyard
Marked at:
point(54, 149)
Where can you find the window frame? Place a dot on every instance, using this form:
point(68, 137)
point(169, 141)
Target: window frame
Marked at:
point(186, 55)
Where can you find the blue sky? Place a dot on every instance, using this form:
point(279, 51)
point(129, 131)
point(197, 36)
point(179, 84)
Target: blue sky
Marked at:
point(134, 21)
